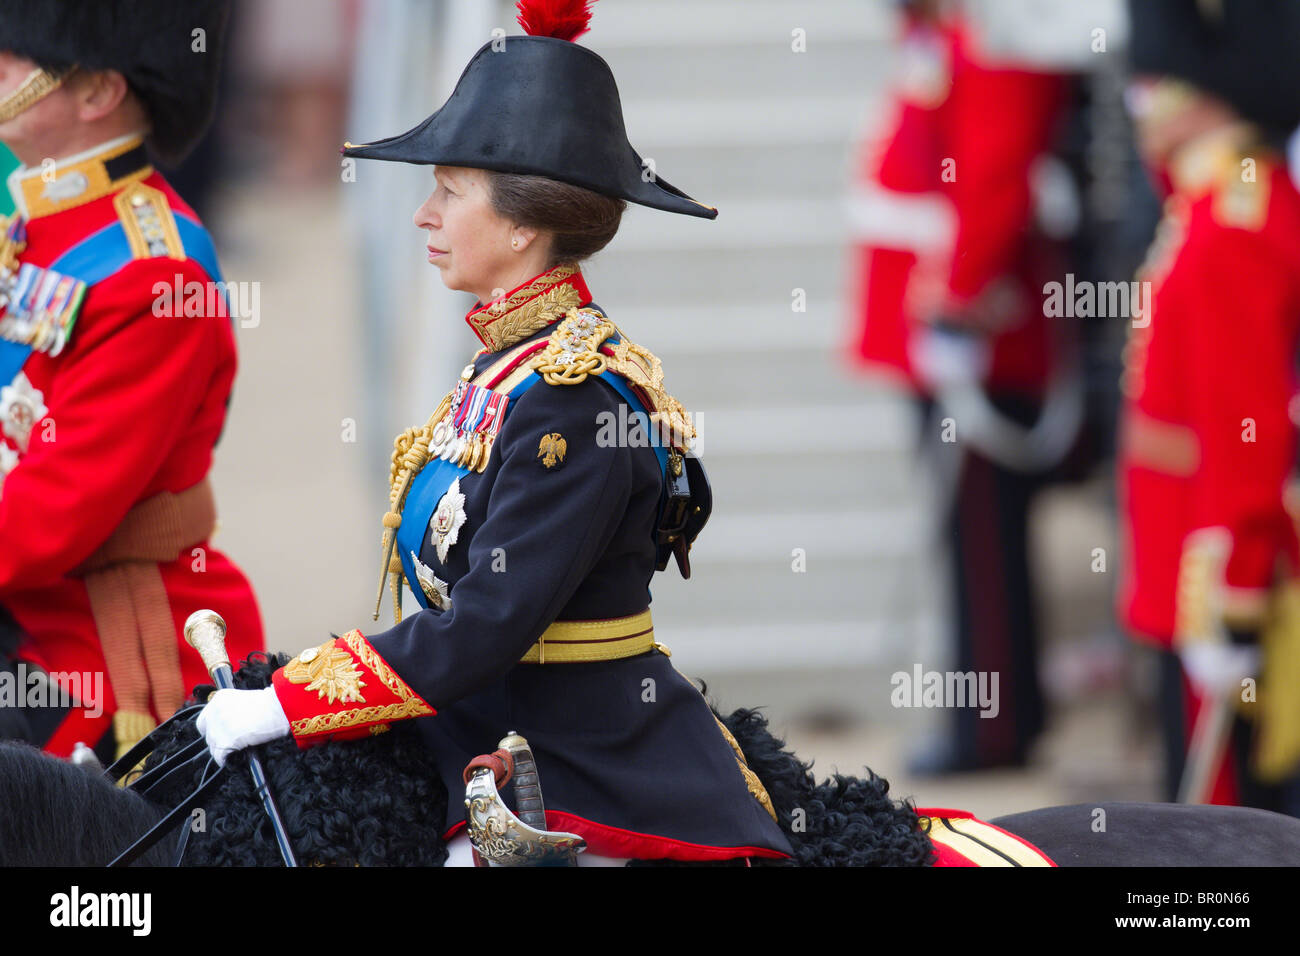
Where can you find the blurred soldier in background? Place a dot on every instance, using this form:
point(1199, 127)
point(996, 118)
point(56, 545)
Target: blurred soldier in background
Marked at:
point(950, 264)
point(1208, 446)
point(117, 356)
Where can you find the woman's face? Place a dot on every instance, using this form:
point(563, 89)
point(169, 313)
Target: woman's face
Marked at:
point(476, 250)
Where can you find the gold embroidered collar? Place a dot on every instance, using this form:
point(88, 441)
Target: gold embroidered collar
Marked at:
point(76, 180)
point(537, 303)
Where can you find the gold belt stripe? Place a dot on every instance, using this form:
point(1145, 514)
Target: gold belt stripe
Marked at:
point(575, 642)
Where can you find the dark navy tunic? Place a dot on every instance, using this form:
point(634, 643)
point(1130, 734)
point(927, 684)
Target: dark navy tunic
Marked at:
point(629, 753)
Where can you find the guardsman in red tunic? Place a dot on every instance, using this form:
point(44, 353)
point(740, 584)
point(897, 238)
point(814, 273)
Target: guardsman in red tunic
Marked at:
point(117, 355)
point(947, 276)
point(1208, 440)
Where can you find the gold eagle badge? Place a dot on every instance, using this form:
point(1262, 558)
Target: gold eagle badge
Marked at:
point(551, 449)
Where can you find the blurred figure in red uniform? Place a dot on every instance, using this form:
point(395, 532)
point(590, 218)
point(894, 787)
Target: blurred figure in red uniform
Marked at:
point(117, 355)
point(948, 269)
point(1208, 446)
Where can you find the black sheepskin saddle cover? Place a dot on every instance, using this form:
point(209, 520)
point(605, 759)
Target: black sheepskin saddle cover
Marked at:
point(380, 801)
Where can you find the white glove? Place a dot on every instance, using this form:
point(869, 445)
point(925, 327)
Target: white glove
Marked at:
point(1217, 668)
point(235, 719)
point(943, 358)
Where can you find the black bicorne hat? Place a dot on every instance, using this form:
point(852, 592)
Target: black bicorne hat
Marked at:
point(541, 106)
point(1246, 52)
point(153, 43)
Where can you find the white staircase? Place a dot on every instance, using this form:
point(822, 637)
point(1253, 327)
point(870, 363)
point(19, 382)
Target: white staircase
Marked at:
point(803, 456)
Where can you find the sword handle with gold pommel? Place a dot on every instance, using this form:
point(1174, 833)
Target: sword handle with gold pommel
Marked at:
point(205, 631)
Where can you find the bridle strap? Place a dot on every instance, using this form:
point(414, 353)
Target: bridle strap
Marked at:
point(148, 782)
point(183, 841)
point(175, 816)
point(146, 745)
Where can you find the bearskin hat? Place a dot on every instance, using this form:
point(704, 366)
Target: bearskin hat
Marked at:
point(168, 51)
point(1246, 52)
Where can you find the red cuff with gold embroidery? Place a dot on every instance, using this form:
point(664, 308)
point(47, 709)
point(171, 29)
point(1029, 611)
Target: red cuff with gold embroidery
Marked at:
point(343, 690)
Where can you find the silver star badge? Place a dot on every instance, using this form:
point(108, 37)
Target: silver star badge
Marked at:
point(21, 407)
point(435, 588)
point(447, 519)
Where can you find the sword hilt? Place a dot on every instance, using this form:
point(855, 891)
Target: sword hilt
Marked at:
point(528, 787)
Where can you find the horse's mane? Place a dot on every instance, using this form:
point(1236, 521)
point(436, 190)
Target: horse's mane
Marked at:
point(845, 821)
point(55, 814)
point(381, 802)
point(372, 802)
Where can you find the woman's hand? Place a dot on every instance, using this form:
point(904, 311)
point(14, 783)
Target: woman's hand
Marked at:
point(235, 719)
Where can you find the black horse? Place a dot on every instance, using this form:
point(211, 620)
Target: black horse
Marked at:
point(380, 801)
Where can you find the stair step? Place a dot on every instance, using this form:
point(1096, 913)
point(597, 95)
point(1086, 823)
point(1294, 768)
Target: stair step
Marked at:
point(681, 24)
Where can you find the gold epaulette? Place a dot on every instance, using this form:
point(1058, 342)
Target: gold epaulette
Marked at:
point(576, 349)
point(573, 351)
point(1241, 196)
point(1234, 167)
point(147, 218)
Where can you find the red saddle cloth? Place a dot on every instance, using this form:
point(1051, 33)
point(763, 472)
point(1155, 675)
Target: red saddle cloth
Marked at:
point(962, 840)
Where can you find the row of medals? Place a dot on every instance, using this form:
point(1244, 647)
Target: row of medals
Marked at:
point(465, 450)
point(11, 246)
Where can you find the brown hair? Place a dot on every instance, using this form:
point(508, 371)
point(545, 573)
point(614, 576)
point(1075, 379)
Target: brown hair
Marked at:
point(581, 222)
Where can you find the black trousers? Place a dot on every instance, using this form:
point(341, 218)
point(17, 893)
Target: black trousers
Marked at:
point(992, 619)
point(1283, 797)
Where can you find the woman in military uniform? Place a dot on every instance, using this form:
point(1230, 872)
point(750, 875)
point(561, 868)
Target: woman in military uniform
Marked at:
point(532, 508)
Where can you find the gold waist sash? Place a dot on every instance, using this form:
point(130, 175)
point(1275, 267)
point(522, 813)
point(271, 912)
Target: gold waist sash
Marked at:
point(577, 642)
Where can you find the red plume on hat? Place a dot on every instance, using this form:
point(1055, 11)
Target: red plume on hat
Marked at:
point(542, 106)
point(562, 19)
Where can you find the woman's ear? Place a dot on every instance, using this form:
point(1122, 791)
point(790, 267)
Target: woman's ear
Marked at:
point(522, 237)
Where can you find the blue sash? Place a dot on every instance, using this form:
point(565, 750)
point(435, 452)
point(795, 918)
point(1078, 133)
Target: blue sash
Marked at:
point(426, 491)
point(637, 410)
point(100, 255)
point(432, 482)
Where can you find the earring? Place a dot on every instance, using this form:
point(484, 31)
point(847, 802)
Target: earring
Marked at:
point(514, 243)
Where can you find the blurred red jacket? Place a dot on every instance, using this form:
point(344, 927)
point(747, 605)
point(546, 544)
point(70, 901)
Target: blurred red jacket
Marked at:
point(128, 405)
point(1207, 439)
point(942, 210)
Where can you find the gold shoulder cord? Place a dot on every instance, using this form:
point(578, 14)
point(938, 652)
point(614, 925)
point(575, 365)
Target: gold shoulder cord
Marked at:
point(410, 455)
point(573, 350)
